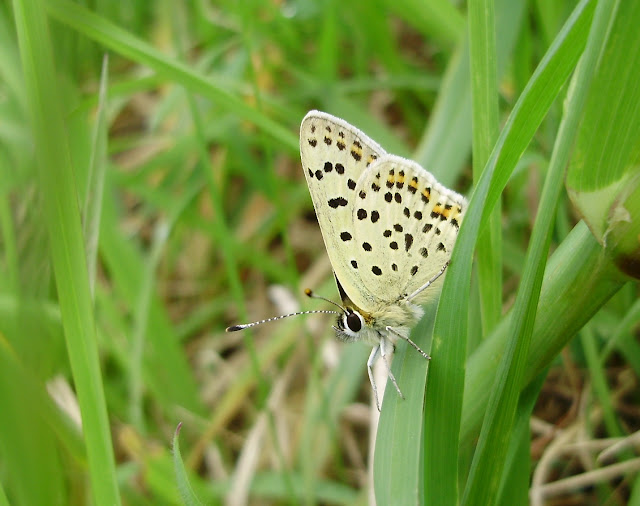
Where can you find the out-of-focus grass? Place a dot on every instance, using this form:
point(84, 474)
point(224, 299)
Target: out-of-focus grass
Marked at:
point(184, 172)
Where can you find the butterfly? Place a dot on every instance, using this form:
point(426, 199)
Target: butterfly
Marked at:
point(388, 227)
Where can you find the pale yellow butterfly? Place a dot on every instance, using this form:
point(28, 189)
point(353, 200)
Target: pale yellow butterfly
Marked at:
point(388, 226)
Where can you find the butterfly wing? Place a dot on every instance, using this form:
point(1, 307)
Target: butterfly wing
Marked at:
point(334, 156)
point(410, 222)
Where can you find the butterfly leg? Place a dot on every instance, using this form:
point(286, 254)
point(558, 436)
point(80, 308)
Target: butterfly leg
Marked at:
point(383, 352)
point(372, 359)
point(428, 283)
point(406, 338)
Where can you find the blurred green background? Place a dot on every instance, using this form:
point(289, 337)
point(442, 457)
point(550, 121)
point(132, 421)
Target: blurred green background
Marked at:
point(151, 195)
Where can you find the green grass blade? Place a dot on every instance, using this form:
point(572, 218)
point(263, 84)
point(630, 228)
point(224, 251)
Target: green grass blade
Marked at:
point(397, 457)
point(484, 93)
point(575, 287)
point(186, 492)
point(27, 445)
point(522, 124)
point(514, 487)
point(62, 219)
point(601, 390)
point(446, 143)
point(173, 383)
point(3, 497)
point(603, 178)
point(95, 181)
point(119, 40)
point(440, 20)
point(443, 393)
point(487, 466)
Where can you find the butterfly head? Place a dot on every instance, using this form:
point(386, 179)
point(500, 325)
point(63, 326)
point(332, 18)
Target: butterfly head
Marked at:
point(351, 326)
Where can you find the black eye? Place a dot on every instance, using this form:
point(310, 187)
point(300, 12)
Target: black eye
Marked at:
point(353, 322)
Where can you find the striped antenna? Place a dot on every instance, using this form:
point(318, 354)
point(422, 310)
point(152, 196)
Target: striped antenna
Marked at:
point(309, 293)
point(235, 328)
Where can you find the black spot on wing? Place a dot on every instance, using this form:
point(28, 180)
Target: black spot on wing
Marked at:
point(337, 202)
point(408, 241)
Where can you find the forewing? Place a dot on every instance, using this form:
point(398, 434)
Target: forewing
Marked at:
point(334, 156)
point(406, 225)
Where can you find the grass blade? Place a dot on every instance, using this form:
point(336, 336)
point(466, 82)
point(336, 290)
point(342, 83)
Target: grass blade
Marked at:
point(445, 391)
point(484, 93)
point(487, 466)
point(62, 218)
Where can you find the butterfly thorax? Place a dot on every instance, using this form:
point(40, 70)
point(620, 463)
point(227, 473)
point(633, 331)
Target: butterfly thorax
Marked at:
point(369, 327)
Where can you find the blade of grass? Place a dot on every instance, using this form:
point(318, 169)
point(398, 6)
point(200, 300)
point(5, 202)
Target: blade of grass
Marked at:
point(62, 218)
point(446, 142)
point(484, 94)
point(603, 180)
point(575, 287)
point(187, 494)
point(514, 488)
point(112, 36)
point(3, 497)
point(140, 330)
point(27, 443)
point(95, 181)
point(397, 472)
point(522, 124)
point(172, 384)
point(487, 466)
point(598, 382)
point(446, 378)
point(435, 19)
point(397, 462)
point(322, 411)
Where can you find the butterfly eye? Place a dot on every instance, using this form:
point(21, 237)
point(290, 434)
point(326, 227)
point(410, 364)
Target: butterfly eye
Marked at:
point(353, 321)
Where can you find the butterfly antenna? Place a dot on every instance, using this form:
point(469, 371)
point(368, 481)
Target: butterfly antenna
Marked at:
point(243, 326)
point(312, 295)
